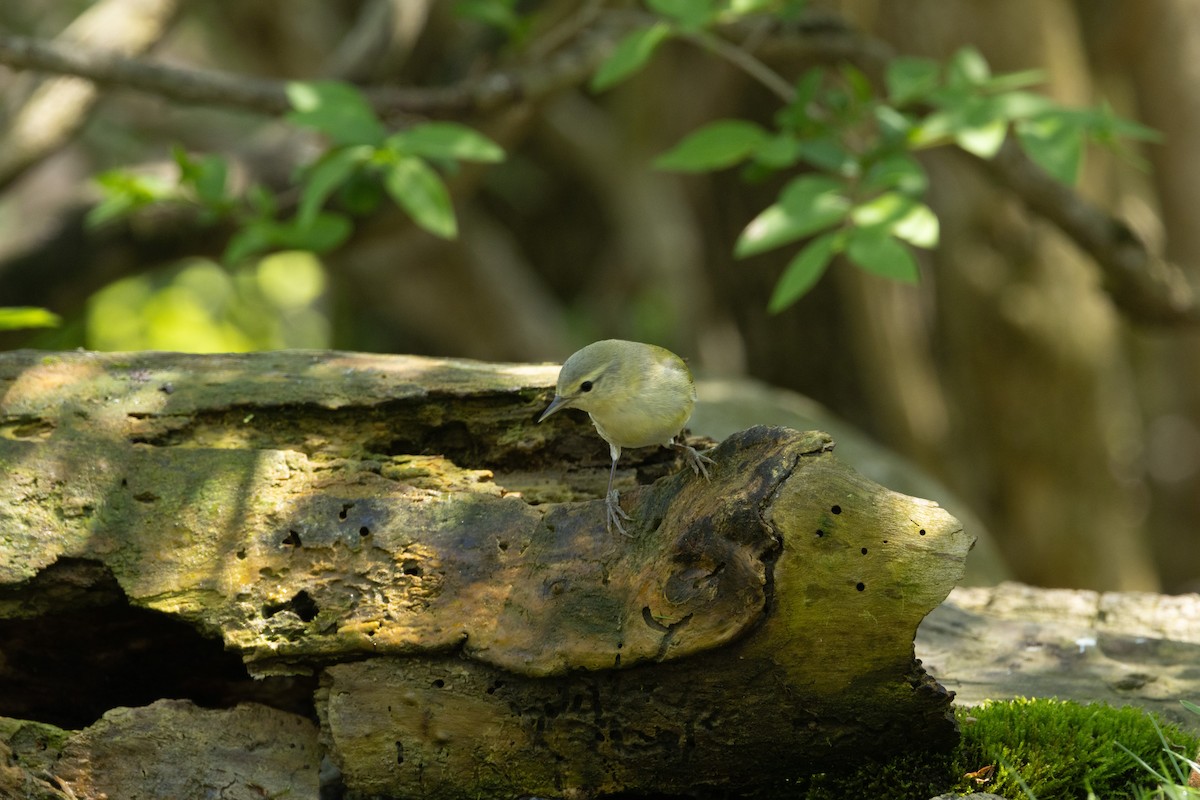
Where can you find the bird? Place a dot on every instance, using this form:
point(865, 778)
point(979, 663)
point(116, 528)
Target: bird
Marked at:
point(637, 395)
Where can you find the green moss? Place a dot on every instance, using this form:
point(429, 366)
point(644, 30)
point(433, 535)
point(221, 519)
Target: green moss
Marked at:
point(1058, 749)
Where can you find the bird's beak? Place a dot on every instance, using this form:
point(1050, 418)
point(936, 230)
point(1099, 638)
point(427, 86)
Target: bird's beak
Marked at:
point(558, 402)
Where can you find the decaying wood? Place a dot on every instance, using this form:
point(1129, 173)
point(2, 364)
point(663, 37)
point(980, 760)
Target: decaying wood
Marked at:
point(402, 529)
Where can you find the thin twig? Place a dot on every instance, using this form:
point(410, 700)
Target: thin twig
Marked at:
point(745, 61)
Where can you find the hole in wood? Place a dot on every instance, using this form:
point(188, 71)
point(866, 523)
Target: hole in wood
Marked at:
point(301, 604)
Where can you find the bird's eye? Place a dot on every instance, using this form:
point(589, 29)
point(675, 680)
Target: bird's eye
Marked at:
point(586, 386)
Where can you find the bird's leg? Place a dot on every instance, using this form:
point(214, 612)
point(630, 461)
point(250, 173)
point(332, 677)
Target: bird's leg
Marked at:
point(695, 459)
point(612, 500)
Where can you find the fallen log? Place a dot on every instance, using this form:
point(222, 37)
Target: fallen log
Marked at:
point(400, 528)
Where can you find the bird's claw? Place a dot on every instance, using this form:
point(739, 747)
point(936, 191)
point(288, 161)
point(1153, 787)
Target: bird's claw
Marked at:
point(612, 505)
point(695, 459)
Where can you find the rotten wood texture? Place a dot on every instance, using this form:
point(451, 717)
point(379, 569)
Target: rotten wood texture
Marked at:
point(402, 529)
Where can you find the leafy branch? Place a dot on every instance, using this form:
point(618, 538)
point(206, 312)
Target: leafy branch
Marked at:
point(856, 188)
point(849, 137)
point(363, 163)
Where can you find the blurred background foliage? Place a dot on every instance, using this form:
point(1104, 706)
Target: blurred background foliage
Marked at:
point(1007, 371)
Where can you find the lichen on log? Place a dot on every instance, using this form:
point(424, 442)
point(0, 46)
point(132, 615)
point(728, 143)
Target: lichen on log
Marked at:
point(401, 528)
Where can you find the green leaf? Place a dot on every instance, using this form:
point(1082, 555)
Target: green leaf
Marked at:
point(742, 8)
point(778, 151)
point(337, 110)
point(322, 233)
point(327, 175)
point(876, 251)
point(804, 270)
point(496, 13)
point(968, 67)
point(423, 195)
point(1055, 142)
point(910, 80)
point(125, 192)
point(807, 87)
point(798, 115)
point(446, 140)
point(16, 317)
point(919, 227)
point(715, 146)
point(806, 205)
point(361, 194)
point(207, 176)
point(899, 215)
point(261, 200)
point(983, 140)
point(1014, 106)
point(1010, 81)
point(828, 153)
point(629, 56)
point(894, 125)
point(1126, 128)
point(898, 171)
point(858, 84)
point(256, 237)
point(977, 124)
point(688, 14)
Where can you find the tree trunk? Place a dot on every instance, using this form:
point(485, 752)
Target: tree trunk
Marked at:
point(401, 528)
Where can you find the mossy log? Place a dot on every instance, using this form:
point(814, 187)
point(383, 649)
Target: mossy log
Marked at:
point(401, 529)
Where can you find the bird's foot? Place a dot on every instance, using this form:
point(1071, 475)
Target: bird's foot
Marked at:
point(695, 459)
point(612, 505)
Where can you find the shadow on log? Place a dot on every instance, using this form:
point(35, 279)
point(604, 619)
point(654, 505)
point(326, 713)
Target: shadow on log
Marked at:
point(400, 528)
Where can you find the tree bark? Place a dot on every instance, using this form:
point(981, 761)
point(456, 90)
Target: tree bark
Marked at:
point(401, 528)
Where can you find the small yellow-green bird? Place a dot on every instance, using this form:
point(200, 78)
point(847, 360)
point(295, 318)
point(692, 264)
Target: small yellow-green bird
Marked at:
point(637, 395)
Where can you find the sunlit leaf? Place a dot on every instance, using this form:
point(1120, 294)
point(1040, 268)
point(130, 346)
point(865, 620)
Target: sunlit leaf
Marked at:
point(337, 110)
point(968, 67)
point(715, 146)
point(423, 195)
point(808, 204)
point(803, 271)
point(919, 227)
point(18, 317)
point(983, 140)
point(446, 140)
point(125, 192)
point(878, 252)
point(899, 215)
point(629, 56)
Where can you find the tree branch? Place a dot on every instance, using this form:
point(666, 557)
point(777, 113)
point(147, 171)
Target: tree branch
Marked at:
point(1146, 288)
point(55, 109)
point(216, 88)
